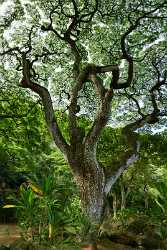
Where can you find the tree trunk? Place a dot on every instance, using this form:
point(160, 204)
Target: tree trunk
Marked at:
point(89, 177)
point(90, 181)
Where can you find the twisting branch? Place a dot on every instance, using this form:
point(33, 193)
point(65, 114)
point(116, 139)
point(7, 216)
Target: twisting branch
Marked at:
point(131, 156)
point(73, 110)
point(89, 73)
point(134, 25)
point(128, 158)
point(103, 112)
point(29, 43)
point(76, 19)
point(67, 38)
point(125, 53)
point(74, 131)
point(47, 104)
point(115, 84)
point(154, 102)
point(107, 68)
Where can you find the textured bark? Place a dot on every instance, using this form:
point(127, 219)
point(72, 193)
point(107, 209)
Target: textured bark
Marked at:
point(89, 176)
point(90, 179)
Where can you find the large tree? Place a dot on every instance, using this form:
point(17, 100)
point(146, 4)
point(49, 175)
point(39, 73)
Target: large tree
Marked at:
point(107, 56)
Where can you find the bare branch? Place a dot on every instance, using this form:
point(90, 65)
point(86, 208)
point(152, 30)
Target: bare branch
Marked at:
point(115, 84)
point(67, 38)
point(73, 110)
point(113, 178)
point(134, 26)
point(73, 129)
point(160, 82)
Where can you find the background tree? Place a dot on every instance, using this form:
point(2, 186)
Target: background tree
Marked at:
point(114, 50)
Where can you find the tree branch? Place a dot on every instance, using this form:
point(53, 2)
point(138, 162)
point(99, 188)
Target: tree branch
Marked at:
point(73, 110)
point(128, 158)
point(67, 38)
point(47, 104)
point(160, 82)
point(130, 96)
point(105, 69)
point(115, 84)
point(133, 143)
point(90, 15)
point(9, 51)
point(89, 74)
point(103, 111)
point(131, 156)
point(74, 132)
point(125, 53)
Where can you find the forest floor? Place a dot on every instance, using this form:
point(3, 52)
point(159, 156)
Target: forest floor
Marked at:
point(9, 233)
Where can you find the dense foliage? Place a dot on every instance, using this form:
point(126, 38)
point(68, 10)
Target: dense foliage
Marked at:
point(97, 32)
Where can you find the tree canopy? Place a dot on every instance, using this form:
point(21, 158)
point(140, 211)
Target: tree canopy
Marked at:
point(127, 41)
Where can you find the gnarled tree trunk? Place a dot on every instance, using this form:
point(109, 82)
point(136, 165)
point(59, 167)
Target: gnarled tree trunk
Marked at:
point(80, 151)
point(92, 182)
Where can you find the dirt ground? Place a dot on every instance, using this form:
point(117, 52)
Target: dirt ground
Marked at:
point(8, 234)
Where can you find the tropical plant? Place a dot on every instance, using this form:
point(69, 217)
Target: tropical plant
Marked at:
point(48, 205)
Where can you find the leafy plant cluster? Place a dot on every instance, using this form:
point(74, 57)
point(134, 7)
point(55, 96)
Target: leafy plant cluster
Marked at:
point(48, 209)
